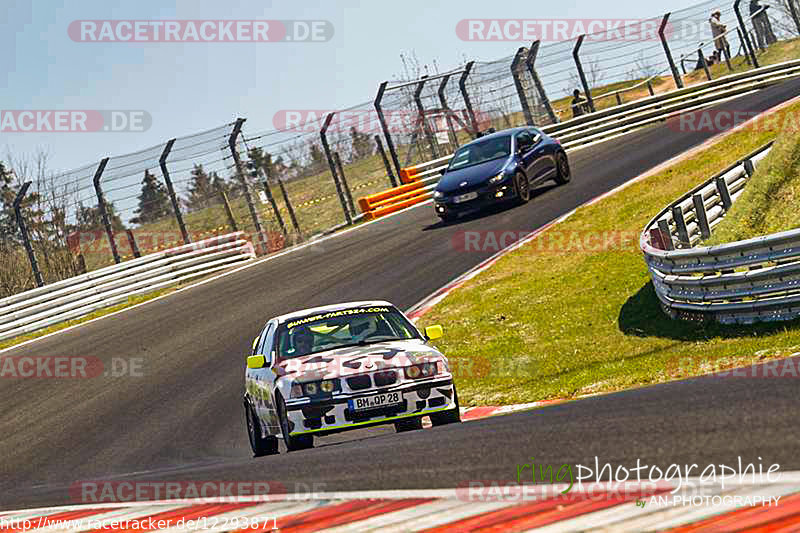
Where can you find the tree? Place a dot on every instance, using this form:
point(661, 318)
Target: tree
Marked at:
point(362, 144)
point(318, 161)
point(89, 218)
point(154, 201)
point(8, 226)
point(201, 192)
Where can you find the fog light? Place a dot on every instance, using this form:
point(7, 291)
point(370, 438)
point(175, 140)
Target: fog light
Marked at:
point(440, 208)
point(311, 388)
point(498, 194)
point(327, 386)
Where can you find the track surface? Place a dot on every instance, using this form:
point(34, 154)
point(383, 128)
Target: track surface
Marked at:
point(183, 418)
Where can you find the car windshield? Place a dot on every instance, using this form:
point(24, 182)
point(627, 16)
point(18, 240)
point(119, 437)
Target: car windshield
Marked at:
point(336, 329)
point(481, 151)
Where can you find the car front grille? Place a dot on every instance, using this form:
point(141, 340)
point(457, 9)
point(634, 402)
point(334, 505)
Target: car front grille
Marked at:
point(359, 382)
point(387, 377)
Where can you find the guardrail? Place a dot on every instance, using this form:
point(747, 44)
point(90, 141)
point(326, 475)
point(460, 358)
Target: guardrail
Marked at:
point(755, 280)
point(598, 127)
point(78, 296)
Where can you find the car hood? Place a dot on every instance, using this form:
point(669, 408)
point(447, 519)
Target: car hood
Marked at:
point(356, 360)
point(473, 176)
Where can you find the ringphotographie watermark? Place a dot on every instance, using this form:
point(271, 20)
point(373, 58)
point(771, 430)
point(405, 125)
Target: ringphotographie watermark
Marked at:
point(200, 31)
point(69, 367)
point(368, 120)
point(74, 121)
point(552, 241)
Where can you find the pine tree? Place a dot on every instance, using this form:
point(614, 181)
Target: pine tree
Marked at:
point(154, 202)
point(201, 192)
point(89, 218)
point(361, 143)
point(8, 226)
point(318, 159)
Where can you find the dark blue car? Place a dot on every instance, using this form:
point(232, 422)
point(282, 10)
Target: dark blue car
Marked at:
point(499, 167)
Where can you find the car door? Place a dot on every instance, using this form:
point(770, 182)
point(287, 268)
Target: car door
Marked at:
point(524, 143)
point(544, 157)
point(261, 380)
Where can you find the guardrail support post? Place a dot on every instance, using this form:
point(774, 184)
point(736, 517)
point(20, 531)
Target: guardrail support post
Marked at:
point(702, 217)
point(533, 51)
point(666, 234)
point(680, 225)
point(289, 207)
point(675, 74)
point(724, 193)
point(228, 210)
point(332, 166)
point(132, 242)
point(702, 59)
point(619, 98)
point(426, 128)
point(650, 88)
point(451, 132)
point(340, 169)
point(748, 167)
point(101, 205)
point(747, 44)
point(385, 127)
point(23, 230)
point(386, 164)
point(523, 98)
point(586, 89)
point(237, 128)
point(162, 162)
point(462, 85)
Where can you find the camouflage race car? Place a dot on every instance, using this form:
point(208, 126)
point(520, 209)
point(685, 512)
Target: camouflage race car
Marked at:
point(330, 369)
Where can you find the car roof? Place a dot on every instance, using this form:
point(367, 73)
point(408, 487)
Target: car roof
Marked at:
point(502, 133)
point(329, 308)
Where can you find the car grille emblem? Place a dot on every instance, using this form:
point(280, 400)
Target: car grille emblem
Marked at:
point(463, 184)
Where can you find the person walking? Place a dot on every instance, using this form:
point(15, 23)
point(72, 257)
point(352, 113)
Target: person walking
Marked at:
point(718, 30)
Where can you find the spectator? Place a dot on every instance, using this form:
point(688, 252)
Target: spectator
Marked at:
point(718, 30)
point(579, 105)
point(761, 23)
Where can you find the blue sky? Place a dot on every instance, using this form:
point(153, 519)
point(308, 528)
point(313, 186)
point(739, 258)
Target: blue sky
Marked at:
point(188, 87)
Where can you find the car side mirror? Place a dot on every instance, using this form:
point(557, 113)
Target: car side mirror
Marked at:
point(256, 361)
point(434, 332)
point(443, 171)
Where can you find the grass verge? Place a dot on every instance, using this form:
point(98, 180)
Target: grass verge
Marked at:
point(574, 311)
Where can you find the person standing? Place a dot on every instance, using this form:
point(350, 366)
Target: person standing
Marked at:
point(764, 34)
point(718, 30)
point(579, 105)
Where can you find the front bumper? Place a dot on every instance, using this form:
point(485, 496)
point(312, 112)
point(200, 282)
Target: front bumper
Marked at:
point(334, 414)
point(487, 196)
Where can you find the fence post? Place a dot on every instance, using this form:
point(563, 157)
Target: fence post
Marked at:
point(260, 237)
point(332, 166)
point(162, 162)
point(529, 62)
point(581, 74)
point(747, 44)
point(386, 164)
point(385, 127)
point(462, 85)
point(523, 98)
point(228, 210)
point(451, 131)
point(270, 197)
point(132, 241)
point(101, 205)
point(650, 88)
point(702, 59)
point(340, 169)
point(23, 229)
point(675, 74)
point(793, 12)
point(289, 207)
point(426, 128)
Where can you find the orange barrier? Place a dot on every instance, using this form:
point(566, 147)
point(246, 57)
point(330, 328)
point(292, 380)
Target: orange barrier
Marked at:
point(391, 200)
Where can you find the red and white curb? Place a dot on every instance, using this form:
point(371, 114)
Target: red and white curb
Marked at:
point(625, 507)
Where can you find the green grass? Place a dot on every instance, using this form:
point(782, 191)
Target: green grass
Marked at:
point(552, 321)
point(769, 202)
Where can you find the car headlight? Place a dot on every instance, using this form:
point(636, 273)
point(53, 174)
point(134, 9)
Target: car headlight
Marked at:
point(316, 388)
point(438, 194)
point(424, 370)
point(497, 179)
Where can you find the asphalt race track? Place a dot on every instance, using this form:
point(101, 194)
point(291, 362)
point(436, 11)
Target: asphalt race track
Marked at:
point(183, 418)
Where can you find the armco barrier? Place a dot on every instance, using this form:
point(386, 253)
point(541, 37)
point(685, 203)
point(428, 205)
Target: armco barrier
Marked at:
point(600, 126)
point(741, 282)
point(74, 297)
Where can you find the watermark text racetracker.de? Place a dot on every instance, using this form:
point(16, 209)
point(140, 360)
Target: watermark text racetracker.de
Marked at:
point(200, 31)
point(73, 121)
point(69, 367)
point(552, 241)
point(720, 120)
point(94, 492)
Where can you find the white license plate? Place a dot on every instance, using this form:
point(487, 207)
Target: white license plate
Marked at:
point(465, 197)
point(376, 401)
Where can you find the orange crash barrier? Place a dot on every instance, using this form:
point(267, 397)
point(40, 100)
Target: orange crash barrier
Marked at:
point(392, 200)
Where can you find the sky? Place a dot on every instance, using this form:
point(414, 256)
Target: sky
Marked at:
point(190, 87)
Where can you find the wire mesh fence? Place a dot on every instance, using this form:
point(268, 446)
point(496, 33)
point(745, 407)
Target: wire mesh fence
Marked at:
point(304, 176)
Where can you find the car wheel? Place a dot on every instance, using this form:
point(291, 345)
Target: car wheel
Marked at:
point(260, 445)
point(447, 417)
point(300, 442)
point(408, 424)
point(523, 188)
point(563, 173)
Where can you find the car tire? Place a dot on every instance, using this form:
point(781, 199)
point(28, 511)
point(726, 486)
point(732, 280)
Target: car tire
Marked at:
point(563, 172)
point(408, 424)
point(300, 442)
point(522, 187)
point(260, 445)
point(450, 416)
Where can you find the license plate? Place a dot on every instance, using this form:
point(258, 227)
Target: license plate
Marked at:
point(465, 197)
point(376, 401)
